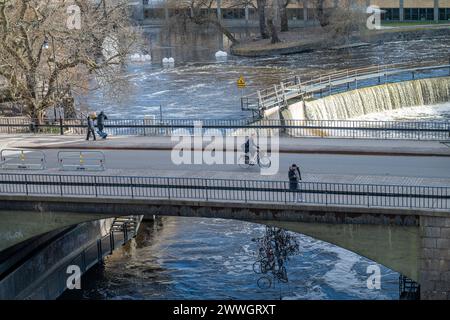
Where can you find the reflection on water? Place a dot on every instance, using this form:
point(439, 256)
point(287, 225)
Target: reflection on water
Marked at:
point(193, 258)
point(273, 250)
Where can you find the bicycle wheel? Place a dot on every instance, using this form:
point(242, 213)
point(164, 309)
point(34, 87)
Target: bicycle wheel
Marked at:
point(264, 162)
point(264, 283)
point(242, 163)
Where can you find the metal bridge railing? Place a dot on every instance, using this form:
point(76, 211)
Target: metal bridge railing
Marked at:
point(337, 82)
point(351, 129)
point(234, 191)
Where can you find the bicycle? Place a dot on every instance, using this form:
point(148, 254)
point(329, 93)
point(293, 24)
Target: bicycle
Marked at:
point(262, 160)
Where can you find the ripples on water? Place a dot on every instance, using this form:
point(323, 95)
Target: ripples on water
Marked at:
point(210, 259)
point(199, 87)
point(192, 258)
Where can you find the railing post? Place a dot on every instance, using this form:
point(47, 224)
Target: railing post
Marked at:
point(206, 189)
point(26, 185)
point(132, 187)
point(261, 104)
point(245, 190)
point(368, 198)
point(60, 186)
point(168, 188)
point(95, 186)
point(61, 128)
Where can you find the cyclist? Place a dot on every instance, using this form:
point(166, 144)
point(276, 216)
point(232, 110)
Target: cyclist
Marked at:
point(250, 149)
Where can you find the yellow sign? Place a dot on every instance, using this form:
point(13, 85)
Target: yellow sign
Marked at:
point(241, 83)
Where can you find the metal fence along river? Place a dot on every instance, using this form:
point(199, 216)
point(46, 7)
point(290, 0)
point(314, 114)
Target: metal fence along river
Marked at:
point(349, 129)
point(225, 190)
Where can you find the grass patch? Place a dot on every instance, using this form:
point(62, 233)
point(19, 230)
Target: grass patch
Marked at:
point(412, 23)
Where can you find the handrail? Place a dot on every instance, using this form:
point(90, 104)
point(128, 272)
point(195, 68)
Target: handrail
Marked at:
point(367, 129)
point(229, 190)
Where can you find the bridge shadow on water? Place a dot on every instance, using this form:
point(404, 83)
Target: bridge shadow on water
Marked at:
point(201, 258)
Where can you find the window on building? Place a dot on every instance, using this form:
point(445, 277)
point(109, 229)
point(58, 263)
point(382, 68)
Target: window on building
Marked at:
point(252, 14)
point(233, 13)
point(154, 13)
point(208, 12)
point(419, 14)
point(179, 12)
point(430, 14)
point(444, 13)
point(294, 13)
point(414, 14)
point(390, 14)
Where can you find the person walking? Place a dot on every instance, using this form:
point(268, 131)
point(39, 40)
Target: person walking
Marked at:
point(101, 124)
point(90, 127)
point(294, 180)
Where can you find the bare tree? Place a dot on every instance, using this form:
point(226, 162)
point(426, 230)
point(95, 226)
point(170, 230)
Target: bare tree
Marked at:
point(284, 21)
point(345, 21)
point(200, 13)
point(321, 14)
point(261, 9)
point(271, 17)
point(49, 49)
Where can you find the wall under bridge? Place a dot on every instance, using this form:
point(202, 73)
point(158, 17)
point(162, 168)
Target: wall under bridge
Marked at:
point(412, 242)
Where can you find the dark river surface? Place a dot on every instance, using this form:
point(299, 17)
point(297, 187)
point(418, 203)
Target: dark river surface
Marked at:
point(191, 258)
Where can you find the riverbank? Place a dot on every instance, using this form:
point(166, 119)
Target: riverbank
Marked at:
point(314, 38)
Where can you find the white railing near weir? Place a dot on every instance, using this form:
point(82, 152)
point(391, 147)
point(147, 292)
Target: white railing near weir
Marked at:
point(295, 87)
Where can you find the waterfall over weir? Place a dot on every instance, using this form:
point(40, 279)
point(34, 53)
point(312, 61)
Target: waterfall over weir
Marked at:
point(384, 97)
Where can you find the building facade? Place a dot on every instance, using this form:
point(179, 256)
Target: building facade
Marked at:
point(302, 10)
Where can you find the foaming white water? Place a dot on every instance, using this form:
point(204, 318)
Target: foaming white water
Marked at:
point(433, 112)
point(380, 98)
point(344, 278)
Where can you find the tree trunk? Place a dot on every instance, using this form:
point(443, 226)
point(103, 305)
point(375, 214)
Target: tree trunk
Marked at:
point(224, 30)
point(262, 18)
point(283, 16)
point(321, 15)
point(273, 31)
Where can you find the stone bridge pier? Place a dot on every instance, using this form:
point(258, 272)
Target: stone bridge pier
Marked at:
point(434, 258)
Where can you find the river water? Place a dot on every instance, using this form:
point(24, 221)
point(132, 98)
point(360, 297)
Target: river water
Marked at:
point(191, 258)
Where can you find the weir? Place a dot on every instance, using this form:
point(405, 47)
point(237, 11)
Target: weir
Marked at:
point(385, 97)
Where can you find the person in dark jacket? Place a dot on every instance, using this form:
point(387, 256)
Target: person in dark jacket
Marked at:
point(101, 121)
point(250, 149)
point(294, 179)
point(90, 128)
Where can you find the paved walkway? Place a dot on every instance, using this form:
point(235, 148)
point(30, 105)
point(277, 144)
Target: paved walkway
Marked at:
point(287, 145)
